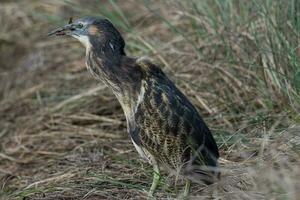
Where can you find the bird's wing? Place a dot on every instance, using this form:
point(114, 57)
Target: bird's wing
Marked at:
point(166, 117)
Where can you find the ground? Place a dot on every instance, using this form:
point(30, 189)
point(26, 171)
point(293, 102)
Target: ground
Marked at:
point(63, 134)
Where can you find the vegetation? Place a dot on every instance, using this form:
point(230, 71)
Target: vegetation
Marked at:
point(63, 134)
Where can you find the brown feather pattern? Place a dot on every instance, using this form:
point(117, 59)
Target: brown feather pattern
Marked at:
point(164, 124)
point(161, 120)
point(170, 127)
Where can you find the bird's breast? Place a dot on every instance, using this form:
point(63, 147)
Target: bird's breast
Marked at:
point(130, 102)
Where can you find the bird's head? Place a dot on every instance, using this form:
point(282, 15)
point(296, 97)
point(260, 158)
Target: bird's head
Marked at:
point(94, 32)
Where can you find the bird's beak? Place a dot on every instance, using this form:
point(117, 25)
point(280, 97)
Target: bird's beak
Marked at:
point(64, 30)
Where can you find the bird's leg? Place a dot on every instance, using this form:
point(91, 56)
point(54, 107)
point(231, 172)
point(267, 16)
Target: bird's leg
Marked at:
point(156, 179)
point(186, 189)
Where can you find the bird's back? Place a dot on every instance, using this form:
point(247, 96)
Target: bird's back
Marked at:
point(169, 127)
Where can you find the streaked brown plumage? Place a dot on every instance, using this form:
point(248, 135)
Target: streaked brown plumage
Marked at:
point(164, 126)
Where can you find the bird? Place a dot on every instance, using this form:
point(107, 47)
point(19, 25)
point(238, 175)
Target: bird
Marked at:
point(165, 128)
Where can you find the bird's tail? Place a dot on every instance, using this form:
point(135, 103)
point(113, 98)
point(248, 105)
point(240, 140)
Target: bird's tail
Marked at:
point(202, 174)
point(203, 168)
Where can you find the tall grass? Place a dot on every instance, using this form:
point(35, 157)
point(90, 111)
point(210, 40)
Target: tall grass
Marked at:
point(63, 136)
point(255, 43)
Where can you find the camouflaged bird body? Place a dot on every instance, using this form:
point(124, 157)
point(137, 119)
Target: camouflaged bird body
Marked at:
point(168, 126)
point(161, 129)
point(164, 126)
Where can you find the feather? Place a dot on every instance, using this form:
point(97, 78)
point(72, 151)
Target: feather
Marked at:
point(170, 127)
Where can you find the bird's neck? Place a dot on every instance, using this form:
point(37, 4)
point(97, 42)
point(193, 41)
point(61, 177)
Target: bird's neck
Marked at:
point(117, 71)
point(104, 65)
point(122, 75)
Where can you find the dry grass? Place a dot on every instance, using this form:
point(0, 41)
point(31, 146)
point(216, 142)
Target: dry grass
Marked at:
point(63, 135)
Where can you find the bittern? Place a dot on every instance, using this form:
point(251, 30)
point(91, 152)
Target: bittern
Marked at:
point(164, 126)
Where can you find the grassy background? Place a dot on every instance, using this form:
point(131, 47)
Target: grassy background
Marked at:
point(63, 134)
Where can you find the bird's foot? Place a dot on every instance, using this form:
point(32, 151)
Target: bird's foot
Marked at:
point(186, 190)
point(150, 196)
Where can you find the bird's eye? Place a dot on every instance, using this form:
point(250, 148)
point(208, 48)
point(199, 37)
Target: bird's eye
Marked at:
point(80, 25)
